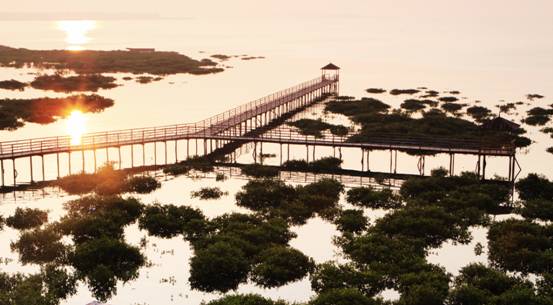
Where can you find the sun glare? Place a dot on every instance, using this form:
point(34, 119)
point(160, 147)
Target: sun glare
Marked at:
point(76, 126)
point(76, 32)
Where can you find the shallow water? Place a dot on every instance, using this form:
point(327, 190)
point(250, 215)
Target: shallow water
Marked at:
point(480, 52)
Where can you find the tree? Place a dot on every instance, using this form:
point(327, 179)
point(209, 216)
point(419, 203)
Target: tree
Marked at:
point(27, 218)
point(142, 184)
point(329, 276)
point(430, 225)
point(103, 262)
point(541, 209)
point(352, 221)
point(40, 246)
point(369, 197)
point(219, 267)
point(264, 194)
point(244, 299)
point(535, 186)
point(280, 265)
point(348, 296)
point(167, 221)
point(428, 286)
point(520, 245)
point(48, 287)
point(478, 284)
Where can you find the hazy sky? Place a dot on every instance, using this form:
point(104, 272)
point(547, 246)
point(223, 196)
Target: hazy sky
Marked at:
point(211, 8)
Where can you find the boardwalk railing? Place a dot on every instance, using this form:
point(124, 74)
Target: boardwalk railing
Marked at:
point(208, 128)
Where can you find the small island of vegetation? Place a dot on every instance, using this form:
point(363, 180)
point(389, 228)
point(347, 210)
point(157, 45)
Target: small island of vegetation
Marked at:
point(15, 112)
point(12, 84)
point(85, 82)
point(97, 62)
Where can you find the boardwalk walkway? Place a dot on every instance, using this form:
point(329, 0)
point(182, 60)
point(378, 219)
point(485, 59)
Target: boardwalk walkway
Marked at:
point(253, 122)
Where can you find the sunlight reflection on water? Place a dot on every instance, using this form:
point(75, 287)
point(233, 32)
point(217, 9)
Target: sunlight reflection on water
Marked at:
point(76, 32)
point(76, 126)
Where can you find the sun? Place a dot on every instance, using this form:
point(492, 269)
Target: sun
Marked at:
point(76, 32)
point(76, 126)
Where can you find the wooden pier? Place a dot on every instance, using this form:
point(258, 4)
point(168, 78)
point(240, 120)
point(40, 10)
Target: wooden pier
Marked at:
point(240, 124)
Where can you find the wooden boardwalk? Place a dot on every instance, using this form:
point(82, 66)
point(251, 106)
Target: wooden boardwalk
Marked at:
point(244, 118)
point(252, 122)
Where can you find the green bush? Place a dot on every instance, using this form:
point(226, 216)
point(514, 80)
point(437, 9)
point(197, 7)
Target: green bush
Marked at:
point(278, 266)
point(369, 197)
point(48, 287)
point(295, 165)
point(103, 262)
point(259, 171)
point(219, 267)
point(347, 296)
point(326, 164)
point(97, 216)
point(244, 299)
point(352, 221)
point(40, 246)
point(142, 184)
point(206, 193)
point(521, 246)
point(328, 276)
point(167, 221)
point(27, 218)
point(535, 186)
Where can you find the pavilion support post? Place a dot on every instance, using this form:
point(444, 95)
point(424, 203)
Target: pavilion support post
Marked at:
point(261, 152)
point(484, 167)
point(83, 160)
point(478, 165)
point(58, 165)
point(452, 165)
point(510, 164)
point(107, 155)
point(280, 155)
point(143, 154)
point(165, 150)
point(95, 161)
point(395, 162)
point(119, 155)
point(307, 153)
point(69, 161)
point(391, 160)
point(362, 159)
point(155, 153)
point(368, 161)
point(2, 172)
point(288, 153)
point(176, 152)
point(14, 174)
point(314, 152)
point(31, 167)
point(132, 155)
point(187, 148)
point(255, 152)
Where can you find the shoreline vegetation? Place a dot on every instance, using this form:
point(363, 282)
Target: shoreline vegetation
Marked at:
point(107, 181)
point(14, 113)
point(223, 57)
point(389, 253)
point(85, 82)
point(13, 84)
point(116, 61)
point(377, 120)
